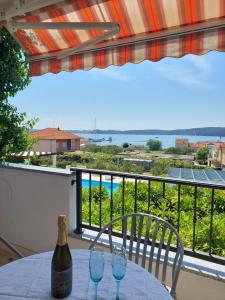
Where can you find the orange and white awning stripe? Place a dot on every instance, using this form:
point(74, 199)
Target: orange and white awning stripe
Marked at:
point(27, 154)
point(148, 30)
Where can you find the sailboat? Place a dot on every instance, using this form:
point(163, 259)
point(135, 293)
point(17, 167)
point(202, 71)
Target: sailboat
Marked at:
point(96, 140)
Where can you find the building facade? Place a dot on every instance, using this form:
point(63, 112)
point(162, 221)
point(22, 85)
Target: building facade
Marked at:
point(181, 143)
point(55, 140)
point(221, 156)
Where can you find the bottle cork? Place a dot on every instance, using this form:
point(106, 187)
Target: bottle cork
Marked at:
point(62, 230)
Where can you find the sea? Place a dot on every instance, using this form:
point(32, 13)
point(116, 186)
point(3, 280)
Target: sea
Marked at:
point(141, 140)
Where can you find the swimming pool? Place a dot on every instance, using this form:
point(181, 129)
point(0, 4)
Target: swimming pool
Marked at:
point(107, 184)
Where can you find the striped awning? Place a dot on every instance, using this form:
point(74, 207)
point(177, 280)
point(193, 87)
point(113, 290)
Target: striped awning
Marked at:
point(26, 154)
point(81, 34)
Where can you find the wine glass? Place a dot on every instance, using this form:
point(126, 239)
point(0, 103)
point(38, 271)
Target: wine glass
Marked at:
point(96, 267)
point(119, 263)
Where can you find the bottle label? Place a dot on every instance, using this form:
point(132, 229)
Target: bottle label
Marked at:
point(62, 282)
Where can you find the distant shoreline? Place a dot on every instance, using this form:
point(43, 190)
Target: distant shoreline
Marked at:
point(207, 131)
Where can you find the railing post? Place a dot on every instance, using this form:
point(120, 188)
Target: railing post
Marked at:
point(78, 229)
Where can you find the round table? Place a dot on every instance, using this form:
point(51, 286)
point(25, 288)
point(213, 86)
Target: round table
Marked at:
point(29, 278)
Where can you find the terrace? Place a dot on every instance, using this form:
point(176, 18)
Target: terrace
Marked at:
point(32, 198)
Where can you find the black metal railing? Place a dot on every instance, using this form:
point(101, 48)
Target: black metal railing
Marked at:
point(162, 186)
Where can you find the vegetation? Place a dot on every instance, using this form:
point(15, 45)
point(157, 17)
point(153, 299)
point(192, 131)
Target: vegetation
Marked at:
point(40, 161)
point(112, 149)
point(93, 161)
point(178, 150)
point(108, 162)
point(125, 145)
point(154, 145)
point(14, 131)
point(14, 77)
point(202, 155)
point(166, 208)
point(13, 66)
point(111, 162)
point(161, 166)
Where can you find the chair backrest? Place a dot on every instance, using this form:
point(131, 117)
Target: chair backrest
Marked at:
point(148, 241)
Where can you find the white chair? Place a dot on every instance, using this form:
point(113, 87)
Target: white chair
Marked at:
point(148, 240)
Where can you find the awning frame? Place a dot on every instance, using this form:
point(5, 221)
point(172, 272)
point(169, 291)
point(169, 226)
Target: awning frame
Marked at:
point(158, 35)
point(19, 7)
point(111, 27)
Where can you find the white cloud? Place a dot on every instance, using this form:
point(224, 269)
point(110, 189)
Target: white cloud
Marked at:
point(194, 71)
point(111, 72)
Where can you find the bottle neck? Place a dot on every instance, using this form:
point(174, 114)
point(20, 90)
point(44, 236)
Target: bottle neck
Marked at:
point(62, 237)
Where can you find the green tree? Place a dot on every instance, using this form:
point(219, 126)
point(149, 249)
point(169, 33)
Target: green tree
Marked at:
point(14, 72)
point(202, 155)
point(14, 77)
point(14, 130)
point(154, 145)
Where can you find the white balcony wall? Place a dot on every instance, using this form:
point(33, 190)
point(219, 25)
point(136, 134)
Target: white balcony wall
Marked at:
point(30, 202)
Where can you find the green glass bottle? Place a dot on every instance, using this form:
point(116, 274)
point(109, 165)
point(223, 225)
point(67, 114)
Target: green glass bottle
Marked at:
point(61, 273)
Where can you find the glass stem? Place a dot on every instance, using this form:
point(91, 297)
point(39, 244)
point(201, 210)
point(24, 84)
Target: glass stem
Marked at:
point(96, 291)
point(117, 290)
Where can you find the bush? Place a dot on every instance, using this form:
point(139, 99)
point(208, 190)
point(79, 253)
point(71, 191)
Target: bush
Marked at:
point(16, 159)
point(131, 168)
point(125, 145)
point(69, 157)
point(39, 161)
point(111, 149)
point(161, 166)
point(62, 164)
point(35, 160)
point(181, 150)
point(202, 155)
point(92, 148)
point(154, 145)
point(107, 162)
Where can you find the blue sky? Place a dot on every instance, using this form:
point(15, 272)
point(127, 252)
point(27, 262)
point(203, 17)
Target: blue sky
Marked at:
point(173, 93)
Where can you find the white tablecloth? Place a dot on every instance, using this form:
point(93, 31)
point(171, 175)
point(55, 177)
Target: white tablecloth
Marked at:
point(29, 278)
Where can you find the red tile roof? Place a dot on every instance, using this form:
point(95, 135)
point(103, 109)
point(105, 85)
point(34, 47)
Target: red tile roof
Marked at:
point(181, 141)
point(205, 144)
point(53, 134)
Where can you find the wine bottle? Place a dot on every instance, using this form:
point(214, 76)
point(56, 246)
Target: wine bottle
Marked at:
point(61, 269)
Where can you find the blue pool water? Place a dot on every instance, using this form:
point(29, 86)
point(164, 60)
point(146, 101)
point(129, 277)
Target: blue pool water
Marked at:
point(85, 184)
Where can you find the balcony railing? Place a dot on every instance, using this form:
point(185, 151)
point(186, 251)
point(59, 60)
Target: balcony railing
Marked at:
point(196, 209)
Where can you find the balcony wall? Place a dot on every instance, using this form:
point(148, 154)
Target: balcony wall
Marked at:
point(30, 201)
point(32, 198)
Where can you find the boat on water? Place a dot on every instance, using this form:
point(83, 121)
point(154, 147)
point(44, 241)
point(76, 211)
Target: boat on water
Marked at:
point(99, 140)
point(96, 140)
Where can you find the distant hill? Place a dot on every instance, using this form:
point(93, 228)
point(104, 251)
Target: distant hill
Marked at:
point(205, 131)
